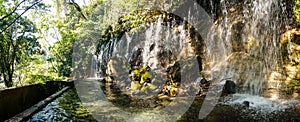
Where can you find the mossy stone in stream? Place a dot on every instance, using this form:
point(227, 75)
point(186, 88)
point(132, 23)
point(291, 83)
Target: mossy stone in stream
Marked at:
point(71, 103)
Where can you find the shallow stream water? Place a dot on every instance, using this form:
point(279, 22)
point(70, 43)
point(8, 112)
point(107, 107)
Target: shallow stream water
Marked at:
point(69, 108)
point(65, 108)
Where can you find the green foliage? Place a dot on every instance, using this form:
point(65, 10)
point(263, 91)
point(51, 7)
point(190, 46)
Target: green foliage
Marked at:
point(36, 70)
point(144, 88)
point(136, 74)
point(141, 75)
point(145, 76)
point(141, 79)
point(17, 43)
point(11, 12)
point(63, 48)
point(76, 37)
point(296, 9)
point(135, 86)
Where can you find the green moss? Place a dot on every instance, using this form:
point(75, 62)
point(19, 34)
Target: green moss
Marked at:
point(296, 9)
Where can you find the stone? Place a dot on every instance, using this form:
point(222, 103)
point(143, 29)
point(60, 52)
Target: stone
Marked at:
point(229, 87)
point(204, 84)
point(246, 104)
point(203, 81)
point(295, 95)
point(174, 91)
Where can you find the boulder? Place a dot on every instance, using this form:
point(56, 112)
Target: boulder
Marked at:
point(246, 104)
point(229, 87)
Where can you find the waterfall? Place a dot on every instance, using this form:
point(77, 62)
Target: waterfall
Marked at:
point(244, 44)
point(94, 67)
point(152, 39)
point(158, 45)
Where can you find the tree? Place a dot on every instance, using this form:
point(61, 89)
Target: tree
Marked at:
point(17, 43)
point(77, 27)
point(63, 48)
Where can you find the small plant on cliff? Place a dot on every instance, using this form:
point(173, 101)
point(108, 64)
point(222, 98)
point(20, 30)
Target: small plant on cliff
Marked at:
point(296, 10)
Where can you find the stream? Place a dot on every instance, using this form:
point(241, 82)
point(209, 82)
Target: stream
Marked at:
point(65, 108)
point(69, 108)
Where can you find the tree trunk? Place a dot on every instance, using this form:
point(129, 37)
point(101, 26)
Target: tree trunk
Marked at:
point(10, 80)
point(7, 78)
point(10, 74)
point(7, 82)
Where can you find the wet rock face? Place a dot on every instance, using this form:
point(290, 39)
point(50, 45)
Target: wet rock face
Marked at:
point(212, 7)
point(174, 72)
point(290, 50)
point(136, 58)
point(229, 87)
point(166, 57)
point(236, 38)
point(296, 39)
point(203, 81)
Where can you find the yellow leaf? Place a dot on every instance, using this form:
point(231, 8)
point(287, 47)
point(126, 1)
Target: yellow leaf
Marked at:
point(135, 86)
point(146, 75)
point(144, 88)
point(152, 86)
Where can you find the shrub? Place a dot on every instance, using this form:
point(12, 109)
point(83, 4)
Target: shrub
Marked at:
point(296, 9)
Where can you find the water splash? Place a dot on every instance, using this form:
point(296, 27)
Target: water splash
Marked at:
point(262, 104)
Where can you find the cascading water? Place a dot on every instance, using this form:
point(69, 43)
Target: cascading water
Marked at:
point(93, 74)
point(158, 45)
point(152, 40)
point(244, 45)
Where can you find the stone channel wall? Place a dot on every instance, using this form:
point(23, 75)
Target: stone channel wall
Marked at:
point(16, 100)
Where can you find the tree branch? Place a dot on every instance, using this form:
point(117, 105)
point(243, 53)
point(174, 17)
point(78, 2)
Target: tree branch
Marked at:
point(78, 8)
point(3, 30)
point(1, 19)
